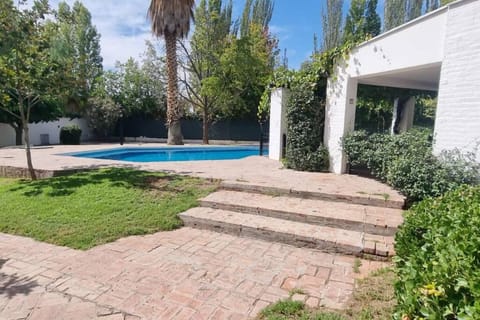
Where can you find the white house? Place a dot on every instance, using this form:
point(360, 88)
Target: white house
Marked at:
point(439, 51)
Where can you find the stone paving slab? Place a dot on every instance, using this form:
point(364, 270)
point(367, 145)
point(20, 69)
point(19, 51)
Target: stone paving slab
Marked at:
point(183, 274)
point(375, 220)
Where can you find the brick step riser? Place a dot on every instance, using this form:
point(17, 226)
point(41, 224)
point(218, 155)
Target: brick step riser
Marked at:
point(312, 195)
point(293, 216)
point(272, 236)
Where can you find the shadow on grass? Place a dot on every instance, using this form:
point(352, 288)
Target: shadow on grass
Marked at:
point(12, 285)
point(116, 177)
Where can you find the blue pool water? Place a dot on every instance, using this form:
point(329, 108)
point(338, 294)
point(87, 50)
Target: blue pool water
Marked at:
point(172, 153)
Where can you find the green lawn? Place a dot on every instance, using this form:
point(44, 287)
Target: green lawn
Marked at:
point(91, 208)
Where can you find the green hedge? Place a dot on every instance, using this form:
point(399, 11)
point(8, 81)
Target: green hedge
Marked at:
point(70, 135)
point(305, 123)
point(406, 162)
point(438, 258)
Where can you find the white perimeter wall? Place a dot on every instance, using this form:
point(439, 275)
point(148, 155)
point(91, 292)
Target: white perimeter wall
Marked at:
point(52, 128)
point(457, 123)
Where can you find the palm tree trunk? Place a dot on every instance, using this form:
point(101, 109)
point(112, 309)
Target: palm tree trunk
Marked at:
point(173, 113)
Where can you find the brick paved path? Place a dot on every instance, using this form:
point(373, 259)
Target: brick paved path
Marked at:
point(183, 274)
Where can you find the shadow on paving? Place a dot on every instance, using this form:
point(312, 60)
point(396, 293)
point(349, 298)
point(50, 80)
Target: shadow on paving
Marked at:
point(116, 177)
point(12, 285)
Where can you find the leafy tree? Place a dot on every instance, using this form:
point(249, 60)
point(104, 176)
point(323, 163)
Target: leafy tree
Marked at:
point(103, 113)
point(414, 9)
point(332, 24)
point(355, 23)
point(373, 22)
point(394, 14)
point(246, 66)
point(28, 71)
point(202, 61)
point(132, 89)
point(262, 12)
point(77, 43)
point(257, 12)
point(171, 20)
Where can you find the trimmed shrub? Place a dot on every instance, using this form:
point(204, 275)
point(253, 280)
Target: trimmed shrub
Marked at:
point(406, 162)
point(438, 258)
point(70, 134)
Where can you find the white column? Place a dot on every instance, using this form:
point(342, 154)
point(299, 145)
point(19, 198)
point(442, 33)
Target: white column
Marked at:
point(278, 123)
point(339, 117)
point(406, 123)
point(407, 115)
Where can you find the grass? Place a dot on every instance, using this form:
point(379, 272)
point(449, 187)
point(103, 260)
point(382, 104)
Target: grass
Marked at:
point(373, 299)
point(91, 208)
point(356, 265)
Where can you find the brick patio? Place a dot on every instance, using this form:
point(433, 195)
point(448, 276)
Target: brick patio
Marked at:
point(183, 274)
point(187, 273)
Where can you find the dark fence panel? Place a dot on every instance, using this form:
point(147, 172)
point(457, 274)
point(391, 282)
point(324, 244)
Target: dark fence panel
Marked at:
point(236, 130)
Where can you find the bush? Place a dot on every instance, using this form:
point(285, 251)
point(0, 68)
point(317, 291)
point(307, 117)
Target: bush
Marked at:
point(305, 123)
point(406, 162)
point(70, 134)
point(103, 113)
point(438, 258)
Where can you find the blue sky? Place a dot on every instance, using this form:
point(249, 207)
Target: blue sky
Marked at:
point(124, 28)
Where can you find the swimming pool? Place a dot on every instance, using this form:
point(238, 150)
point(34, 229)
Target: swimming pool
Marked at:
point(172, 153)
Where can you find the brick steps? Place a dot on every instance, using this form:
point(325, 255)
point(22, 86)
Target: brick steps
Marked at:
point(348, 216)
point(376, 200)
point(299, 234)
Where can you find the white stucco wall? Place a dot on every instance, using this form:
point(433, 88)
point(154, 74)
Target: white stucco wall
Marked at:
point(439, 51)
point(457, 123)
point(7, 134)
point(420, 42)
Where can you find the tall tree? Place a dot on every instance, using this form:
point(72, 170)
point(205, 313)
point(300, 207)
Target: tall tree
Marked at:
point(202, 60)
point(414, 9)
point(394, 13)
point(258, 12)
point(373, 22)
point(332, 24)
point(355, 21)
point(28, 72)
point(171, 20)
point(77, 43)
point(246, 18)
point(431, 5)
point(262, 12)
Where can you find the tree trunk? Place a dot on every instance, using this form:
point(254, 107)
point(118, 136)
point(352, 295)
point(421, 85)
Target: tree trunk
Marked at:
point(205, 127)
point(18, 127)
point(19, 135)
point(173, 113)
point(33, 175)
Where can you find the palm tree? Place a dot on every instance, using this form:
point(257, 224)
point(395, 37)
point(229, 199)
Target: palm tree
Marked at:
point(171, 20)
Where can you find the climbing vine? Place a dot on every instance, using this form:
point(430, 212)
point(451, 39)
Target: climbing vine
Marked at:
point(306, 107)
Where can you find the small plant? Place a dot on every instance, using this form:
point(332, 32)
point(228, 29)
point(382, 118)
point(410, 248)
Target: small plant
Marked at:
point(356, 265)
point(296, 291)
point(70, 135)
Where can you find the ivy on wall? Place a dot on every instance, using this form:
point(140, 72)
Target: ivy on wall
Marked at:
point(306, 107)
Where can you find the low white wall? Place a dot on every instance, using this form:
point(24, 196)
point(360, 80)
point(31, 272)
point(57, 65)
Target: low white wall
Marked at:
point(52, 128)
